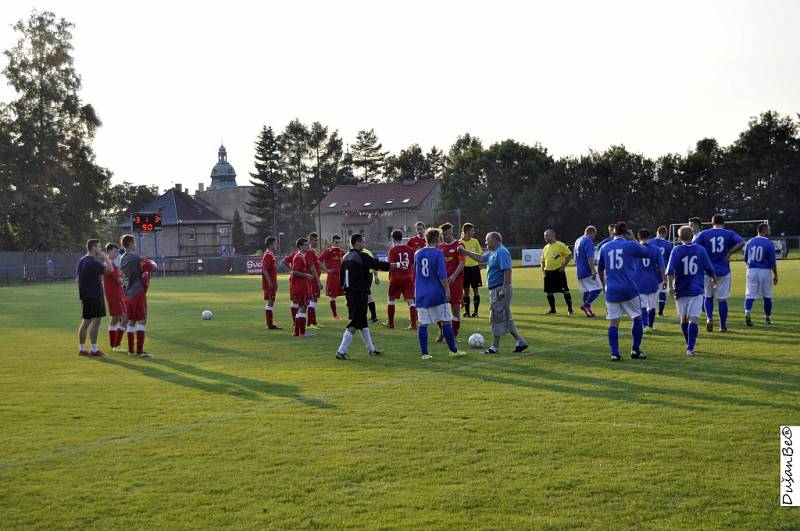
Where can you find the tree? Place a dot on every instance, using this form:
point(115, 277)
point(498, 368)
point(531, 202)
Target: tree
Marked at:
point(238, 238)
point(268, 184)
point(408, 165)
point(436, 162)
point(58, 188)
point(368, 157)
point(295, 151)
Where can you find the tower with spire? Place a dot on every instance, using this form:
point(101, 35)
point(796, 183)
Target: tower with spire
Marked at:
point(222, 174)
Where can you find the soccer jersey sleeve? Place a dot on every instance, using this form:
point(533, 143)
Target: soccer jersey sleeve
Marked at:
point(601, 262)
point(504, 261)
point(671, 263)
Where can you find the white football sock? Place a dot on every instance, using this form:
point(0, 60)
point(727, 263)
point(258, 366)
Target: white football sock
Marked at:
point(94, 347)
point(347, 337)
point(367, 339)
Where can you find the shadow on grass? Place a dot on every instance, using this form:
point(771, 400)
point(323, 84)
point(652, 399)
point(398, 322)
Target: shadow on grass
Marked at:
point(223, 384)
point(635, 390)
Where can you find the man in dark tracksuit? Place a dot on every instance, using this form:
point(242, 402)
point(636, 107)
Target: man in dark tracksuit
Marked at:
point(356, 280)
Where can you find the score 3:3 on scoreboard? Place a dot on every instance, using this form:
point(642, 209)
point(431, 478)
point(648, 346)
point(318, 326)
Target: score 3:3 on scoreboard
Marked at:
point(146, 221)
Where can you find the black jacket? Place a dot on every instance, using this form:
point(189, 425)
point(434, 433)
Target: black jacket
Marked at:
point(357, 266)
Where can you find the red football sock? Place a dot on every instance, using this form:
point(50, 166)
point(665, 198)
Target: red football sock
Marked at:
point(131, 336)
point(139, 341)
point(312, 315)
point(333, 308)
point(112, 338)
point(456, 326)
point(269, 317)
point(390, 311)
point(413, 314)
point(294, 312)
point(301, 325)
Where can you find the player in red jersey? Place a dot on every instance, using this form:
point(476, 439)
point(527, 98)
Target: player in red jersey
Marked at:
point(417, 241)
point(136, 271)
point(300, 287)
point(312, 259)
point(401, 281)
point(269, 279)
point(454, 263)
point(115, 297)
point(331, 263)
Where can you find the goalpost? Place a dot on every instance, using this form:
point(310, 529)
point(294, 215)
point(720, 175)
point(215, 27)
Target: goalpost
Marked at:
point(673, 227)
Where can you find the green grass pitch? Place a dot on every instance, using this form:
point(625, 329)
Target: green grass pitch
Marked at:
point(234, 425)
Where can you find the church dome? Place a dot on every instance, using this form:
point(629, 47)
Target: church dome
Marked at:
point(222, 174)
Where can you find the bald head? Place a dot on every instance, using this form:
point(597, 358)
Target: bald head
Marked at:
point(493, 240)
point(550, 235)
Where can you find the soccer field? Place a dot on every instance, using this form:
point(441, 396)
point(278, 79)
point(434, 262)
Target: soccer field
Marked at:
point(234, 425)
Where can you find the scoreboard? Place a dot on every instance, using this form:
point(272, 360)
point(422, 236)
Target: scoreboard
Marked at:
point(146, 221)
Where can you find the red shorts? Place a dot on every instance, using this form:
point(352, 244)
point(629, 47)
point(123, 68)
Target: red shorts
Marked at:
point(457, 293)
point(401, 287)
point(300, 294)
point(137, 307)
point(116, 306)
point(314, 289)
point(333, 286)
point(269, 294)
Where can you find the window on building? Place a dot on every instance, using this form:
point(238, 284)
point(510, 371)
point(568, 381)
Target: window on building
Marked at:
point(368, 203)
point(192, 234)
point(389, 201)
point(406, 200)
point(223, 231)
point(332, 205)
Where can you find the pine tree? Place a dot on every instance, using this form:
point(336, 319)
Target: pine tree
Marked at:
point(268, 184)
point(295, 151)
point(368, 159)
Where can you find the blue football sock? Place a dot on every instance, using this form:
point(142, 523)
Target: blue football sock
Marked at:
point(644, 317)
point(422, 334)
point(767, 306)
point(447, 332)
point(723, 314)
point(748, 304)
point(637, 331)
point(613, 340)
point(692, 336)
point(662, 301)
point(585, 297)
point(685, 329)
point(708, 307)
point(651, 317)
point(592, 296)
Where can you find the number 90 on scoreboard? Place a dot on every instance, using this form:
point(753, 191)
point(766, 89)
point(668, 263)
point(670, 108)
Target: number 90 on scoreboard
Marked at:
point(146, 221)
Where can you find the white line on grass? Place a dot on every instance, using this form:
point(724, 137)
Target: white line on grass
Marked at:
point(232, 416)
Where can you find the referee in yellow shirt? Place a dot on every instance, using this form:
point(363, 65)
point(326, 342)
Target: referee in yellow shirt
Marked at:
point(472, 269)
point(555, 257)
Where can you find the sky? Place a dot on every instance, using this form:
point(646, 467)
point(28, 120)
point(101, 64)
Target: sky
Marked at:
point(171, 80)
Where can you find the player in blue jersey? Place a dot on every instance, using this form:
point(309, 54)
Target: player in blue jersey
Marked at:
point(666, 247)
point(649, 279)
point(759, 255)
point(685, 270)
point(617, 267)
point(720, 244)
point(432, 294)
point(586, 269)
point(607, 238)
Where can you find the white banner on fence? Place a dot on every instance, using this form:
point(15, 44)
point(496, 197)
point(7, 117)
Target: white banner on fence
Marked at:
point(254, 266)
point(531, 257)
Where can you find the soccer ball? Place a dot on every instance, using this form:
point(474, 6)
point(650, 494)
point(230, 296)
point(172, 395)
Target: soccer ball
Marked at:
point(476, 341)
point(207, 314)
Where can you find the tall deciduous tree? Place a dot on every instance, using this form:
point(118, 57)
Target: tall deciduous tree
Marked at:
point(57, 199)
